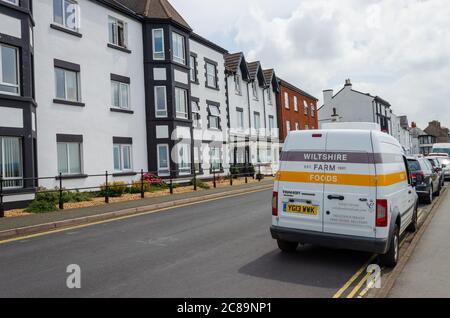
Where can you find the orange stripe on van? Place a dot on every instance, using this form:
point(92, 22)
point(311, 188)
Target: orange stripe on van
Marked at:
point(342, 179)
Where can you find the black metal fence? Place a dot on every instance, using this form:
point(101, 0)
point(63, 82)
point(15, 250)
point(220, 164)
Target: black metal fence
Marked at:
point(107, 181)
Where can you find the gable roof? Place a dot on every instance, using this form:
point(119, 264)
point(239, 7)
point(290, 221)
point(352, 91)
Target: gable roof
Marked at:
point(234, 61)
point(154, 9)
point(270, 77)
point(255, 72)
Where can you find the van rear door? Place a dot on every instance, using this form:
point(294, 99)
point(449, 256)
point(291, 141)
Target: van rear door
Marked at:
point(300, 196)
point(350, 198)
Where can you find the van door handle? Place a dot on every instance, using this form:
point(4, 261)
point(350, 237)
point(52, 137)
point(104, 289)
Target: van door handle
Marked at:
point(363, 200)
point(336, 197)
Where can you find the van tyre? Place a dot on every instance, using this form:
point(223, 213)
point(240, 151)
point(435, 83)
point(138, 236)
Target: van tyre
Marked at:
point(287, 247)
point(390, 259)
point(413, 226)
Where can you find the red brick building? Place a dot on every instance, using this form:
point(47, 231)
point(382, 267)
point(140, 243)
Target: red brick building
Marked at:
point(296, 109)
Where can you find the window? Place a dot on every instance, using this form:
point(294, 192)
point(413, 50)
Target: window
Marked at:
point(196, 117)
point(67, 85)
point(184, 158)
point(9, 70)
point(181, 103)
point(122, 158)
point(271, 123)
point(163, 160)
point(65, 13)
point(117, 32)
point(69, 158)
point(240, 119)
point(178, 48)
point(286, 100)
point(160, 101)
point(193, 63)
point(198, 159)
point(214, 117)
point(211, 75)
point(288, 126)
point(158, 44)
point(237, 84)
point(313, 110)
point(269, 96)
point(305, 107)
point(297, 127)
point(11, 164)
point(257, 120)
point(296, 103)
point(255, 90)
point(214, 155)
point(120, 95)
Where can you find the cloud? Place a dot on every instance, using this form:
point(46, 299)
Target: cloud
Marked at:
point(397, 49)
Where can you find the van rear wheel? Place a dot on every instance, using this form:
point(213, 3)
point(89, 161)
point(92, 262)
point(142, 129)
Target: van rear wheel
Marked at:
point(390, 259)
point(287, 247)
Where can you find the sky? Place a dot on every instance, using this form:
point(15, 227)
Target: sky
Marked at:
point(396, 49)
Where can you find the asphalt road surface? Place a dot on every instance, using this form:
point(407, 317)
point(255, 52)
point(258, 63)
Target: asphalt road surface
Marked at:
point(220, 248)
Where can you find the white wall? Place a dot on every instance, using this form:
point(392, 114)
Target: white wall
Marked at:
point(95, 121)
point(204, 93)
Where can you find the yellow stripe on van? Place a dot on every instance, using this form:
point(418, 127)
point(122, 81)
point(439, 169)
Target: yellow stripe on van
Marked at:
point(342, 179)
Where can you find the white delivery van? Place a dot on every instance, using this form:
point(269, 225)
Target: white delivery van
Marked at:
point(343, 188)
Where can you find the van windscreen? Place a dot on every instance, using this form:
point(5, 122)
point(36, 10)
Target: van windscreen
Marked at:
point(414, 165)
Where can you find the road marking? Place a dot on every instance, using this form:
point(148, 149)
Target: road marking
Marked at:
point(359, 285)
point(354, 277)
point(125, 217)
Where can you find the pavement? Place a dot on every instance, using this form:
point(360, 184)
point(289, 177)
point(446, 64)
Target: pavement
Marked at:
point(427, 274)
point(219, 248)
point(46, 218)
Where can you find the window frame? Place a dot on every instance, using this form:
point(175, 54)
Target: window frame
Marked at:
point(193, 68)
point(179, 114)
point(237, 84)
point(19, 178)
point(295, 103)
point(175, 58)
point(121, 148)
point(196, 112)
point(255, 116)
point(255, 91)
point(271, 123)
point(209, 76)
point(17, 69)
point(163, 171)
point(240, 119)
point(215, 116)
point(156, 101)
point(156, 56)
point(288, 126)
point(78, 84)
point(286, 100)
point(63, 15)
point(121, 85)
point(313, 110)
point(116, 33)
point(80, 158)
point(305, 107)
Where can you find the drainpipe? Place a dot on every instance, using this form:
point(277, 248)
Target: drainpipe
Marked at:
point(249, 122)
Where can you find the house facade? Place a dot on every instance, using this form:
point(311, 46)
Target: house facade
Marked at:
point(349, 105)
point(297, 110)
point(90, 88)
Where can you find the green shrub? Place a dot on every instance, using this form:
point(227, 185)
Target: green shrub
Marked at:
point(200, 184)
point(136, 187)
point(41, 206)
point(74, 197)
point(115, 189)
point(52, 197)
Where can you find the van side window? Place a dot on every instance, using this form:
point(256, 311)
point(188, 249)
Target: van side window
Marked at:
point(405, 161)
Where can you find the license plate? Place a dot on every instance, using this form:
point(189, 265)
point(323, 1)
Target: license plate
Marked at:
point(301, 209)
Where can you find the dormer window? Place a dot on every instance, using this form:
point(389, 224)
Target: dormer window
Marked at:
point(269, 96)
point(237, 84)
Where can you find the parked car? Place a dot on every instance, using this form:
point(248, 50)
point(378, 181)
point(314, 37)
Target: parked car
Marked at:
point(438, 168)
point(343, 188)
point(425, 178)
point(445, 164)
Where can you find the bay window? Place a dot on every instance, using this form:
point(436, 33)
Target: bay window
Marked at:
point(160, 101)
point(163, 160)
point(178, 47)
point(181, 103)
point(158, 44)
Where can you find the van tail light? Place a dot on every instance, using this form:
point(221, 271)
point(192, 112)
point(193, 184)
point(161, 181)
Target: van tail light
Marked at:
point(275, 204)
point(382, 213)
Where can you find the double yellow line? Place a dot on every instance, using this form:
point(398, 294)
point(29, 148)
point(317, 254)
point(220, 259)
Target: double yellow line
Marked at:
point(350, 283)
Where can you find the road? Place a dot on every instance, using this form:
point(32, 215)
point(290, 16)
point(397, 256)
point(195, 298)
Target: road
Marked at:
point(219, 248)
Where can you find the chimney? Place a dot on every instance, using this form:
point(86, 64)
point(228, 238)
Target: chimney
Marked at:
point(327, 97)
point(348, 82)
point(413, 124)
